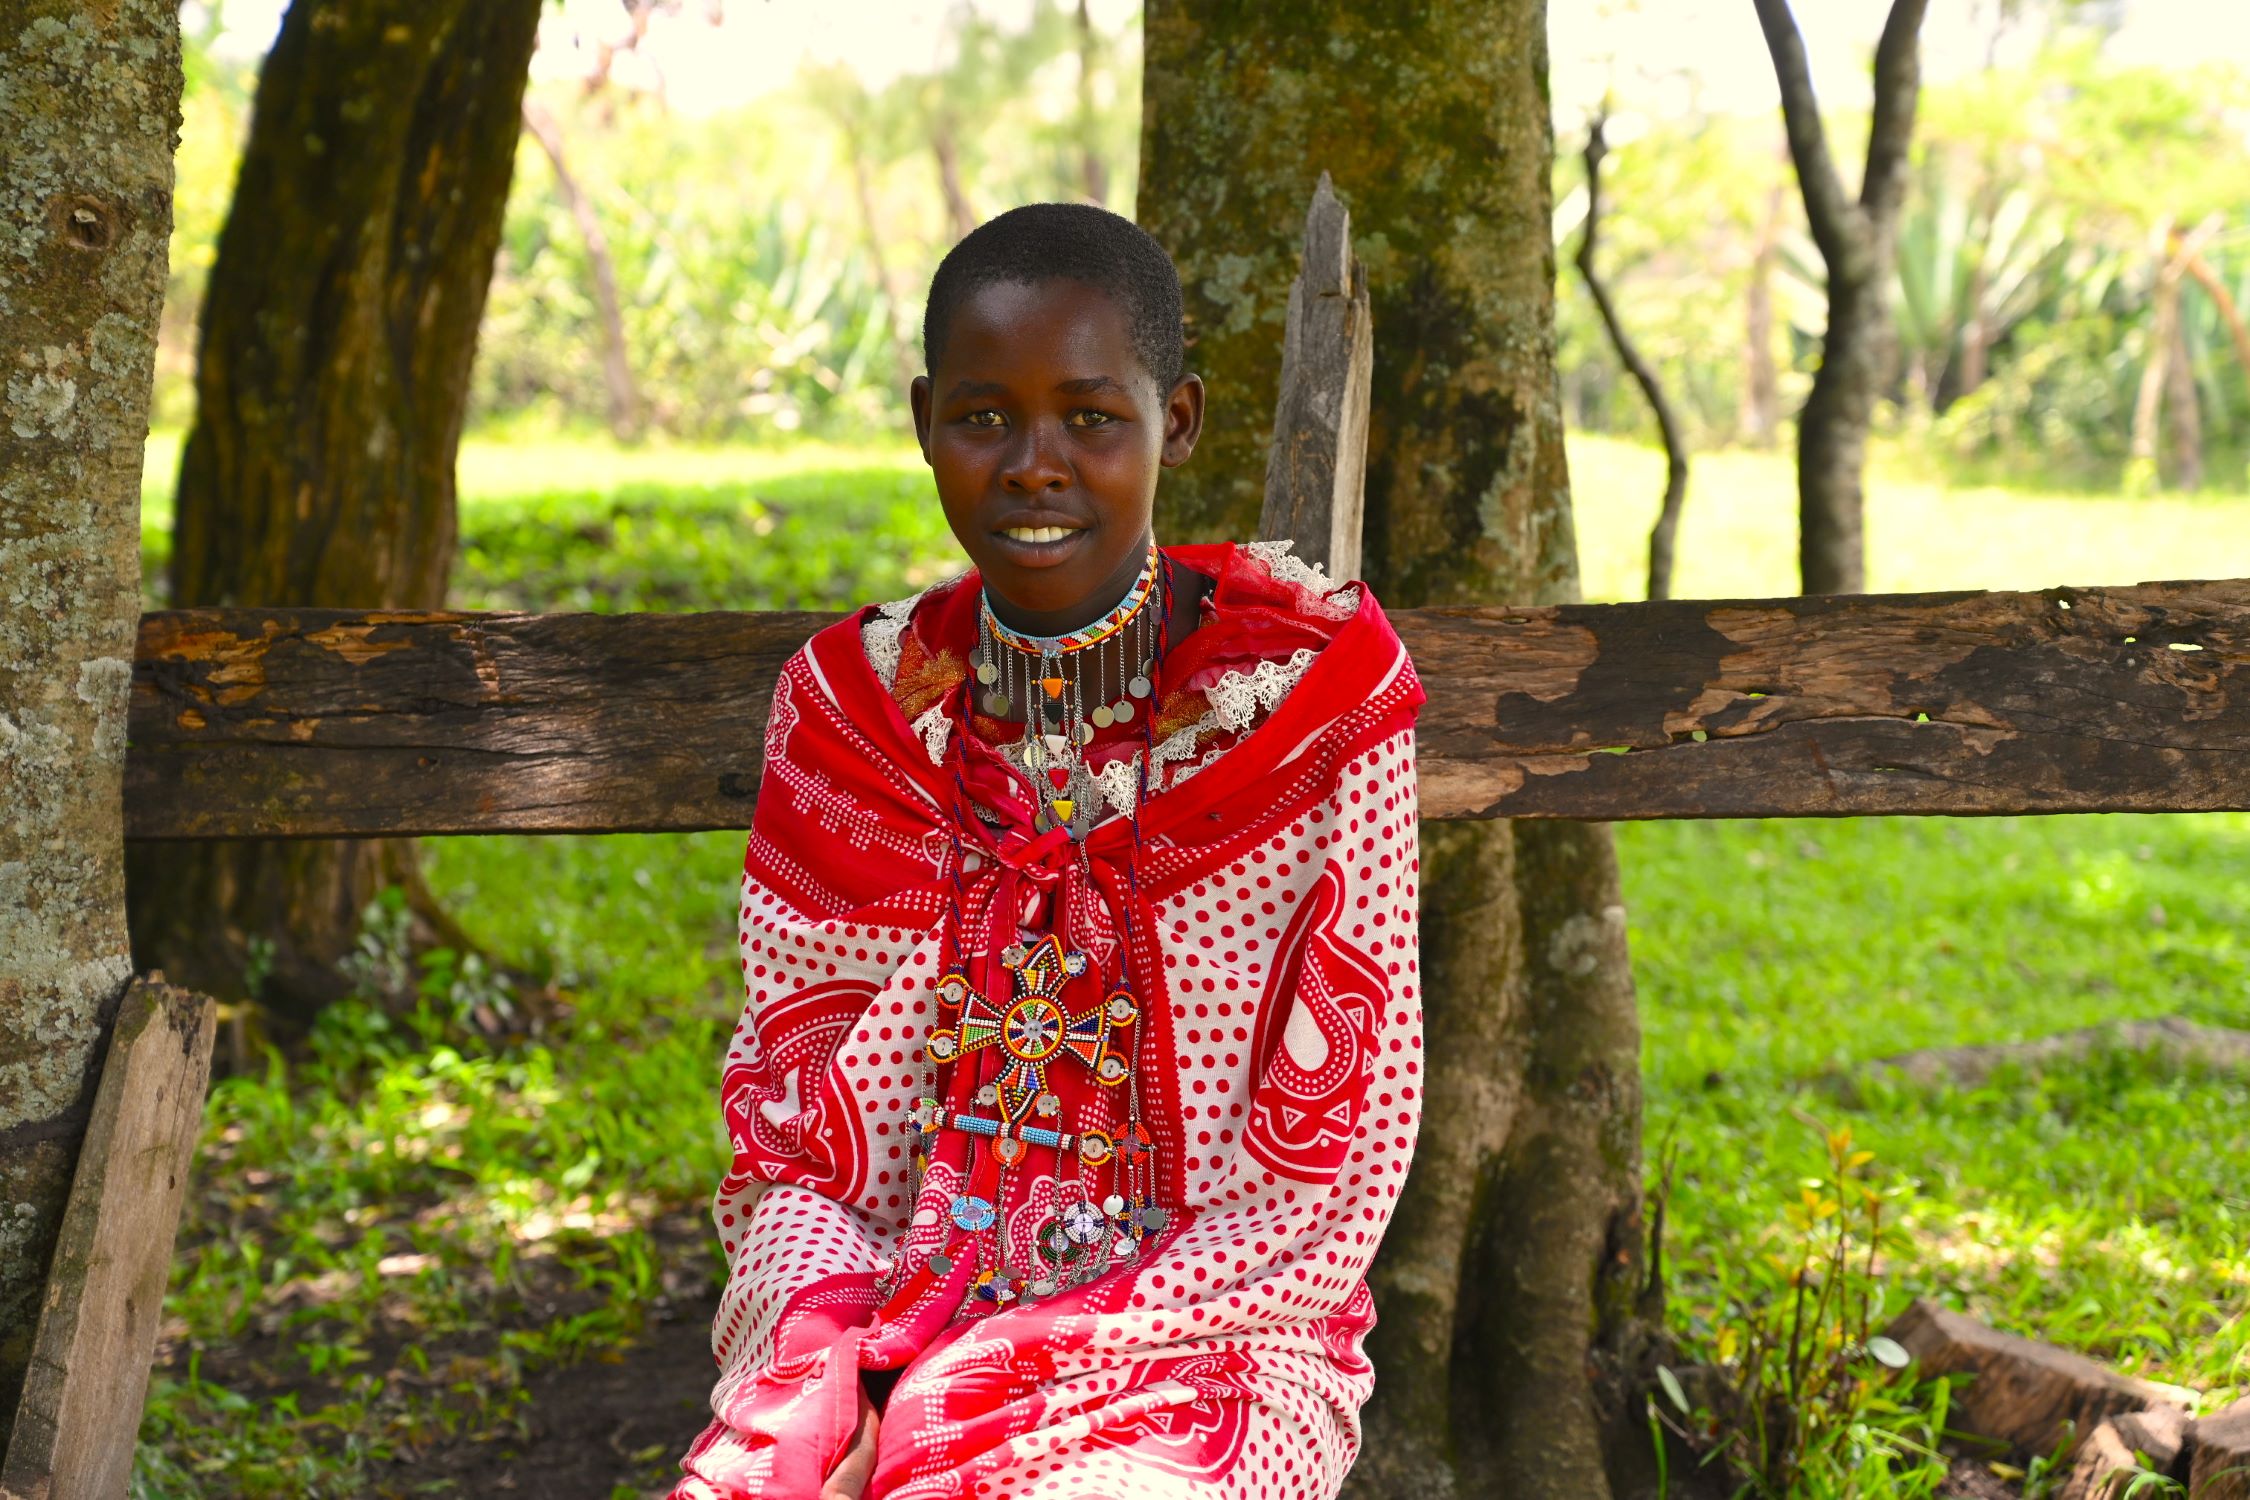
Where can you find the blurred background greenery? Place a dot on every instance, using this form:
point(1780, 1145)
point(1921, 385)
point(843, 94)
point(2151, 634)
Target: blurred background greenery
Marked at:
point(395, 1232)
point(770, 240)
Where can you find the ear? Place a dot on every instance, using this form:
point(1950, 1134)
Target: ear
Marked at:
point(918, 397)
point(1183, 420)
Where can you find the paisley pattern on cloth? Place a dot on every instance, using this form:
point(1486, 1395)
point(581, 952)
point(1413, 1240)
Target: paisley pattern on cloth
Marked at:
point(1266, 926)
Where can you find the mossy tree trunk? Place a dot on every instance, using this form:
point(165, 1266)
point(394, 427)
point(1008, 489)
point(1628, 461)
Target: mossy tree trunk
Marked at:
point(331, 385)
point(1510, 1329)
point(89, 113)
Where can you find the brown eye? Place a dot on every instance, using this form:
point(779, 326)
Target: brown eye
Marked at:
point(1093, 418)
point(977, 418)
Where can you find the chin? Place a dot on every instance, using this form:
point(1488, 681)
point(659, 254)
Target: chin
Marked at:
point(1041, 590)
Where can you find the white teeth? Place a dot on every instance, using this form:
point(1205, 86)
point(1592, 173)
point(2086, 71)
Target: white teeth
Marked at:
point(1037, 533)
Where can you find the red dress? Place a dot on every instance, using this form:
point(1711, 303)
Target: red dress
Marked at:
point(1260, 920)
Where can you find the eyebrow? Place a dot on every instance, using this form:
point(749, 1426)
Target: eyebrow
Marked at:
point(975, 388)
point(1090, 385)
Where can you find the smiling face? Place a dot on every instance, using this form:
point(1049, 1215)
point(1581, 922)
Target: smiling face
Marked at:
point(1046, 434)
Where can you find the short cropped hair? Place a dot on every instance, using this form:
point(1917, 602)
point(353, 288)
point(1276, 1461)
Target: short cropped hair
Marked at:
point(1067, 242)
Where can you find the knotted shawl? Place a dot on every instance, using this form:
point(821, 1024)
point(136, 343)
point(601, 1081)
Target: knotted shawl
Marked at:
point(1266, 925)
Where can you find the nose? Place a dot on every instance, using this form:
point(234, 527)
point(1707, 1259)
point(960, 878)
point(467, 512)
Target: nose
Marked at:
point(1035, 461)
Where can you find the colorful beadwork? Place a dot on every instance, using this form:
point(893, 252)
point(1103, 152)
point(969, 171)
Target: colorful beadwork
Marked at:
point(1011, 1044)
point(1034, 1030)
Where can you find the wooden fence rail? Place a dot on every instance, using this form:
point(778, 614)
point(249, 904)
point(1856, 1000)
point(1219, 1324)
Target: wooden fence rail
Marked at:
point(328, 723)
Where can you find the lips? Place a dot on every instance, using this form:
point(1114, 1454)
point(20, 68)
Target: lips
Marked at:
point(1035, 539)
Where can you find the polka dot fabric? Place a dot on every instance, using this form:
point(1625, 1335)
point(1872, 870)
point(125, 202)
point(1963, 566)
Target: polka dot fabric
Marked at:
point(1272, 906)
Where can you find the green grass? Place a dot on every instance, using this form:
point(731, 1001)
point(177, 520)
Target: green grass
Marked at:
point(388, 1235)
point(1738, 530)
point(394, 1220)
point(2106, 1205)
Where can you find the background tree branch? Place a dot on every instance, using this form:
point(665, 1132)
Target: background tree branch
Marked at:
point(1663, 536)
point(1836, 227)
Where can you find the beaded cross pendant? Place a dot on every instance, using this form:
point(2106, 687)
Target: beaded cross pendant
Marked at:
point(1034, 1029)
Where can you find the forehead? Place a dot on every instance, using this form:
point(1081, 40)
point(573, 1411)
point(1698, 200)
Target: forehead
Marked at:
point(1060, 327)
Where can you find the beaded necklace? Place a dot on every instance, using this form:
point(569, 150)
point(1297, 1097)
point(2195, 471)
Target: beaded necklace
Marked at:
point(1111, 661)
point(1009, 1047)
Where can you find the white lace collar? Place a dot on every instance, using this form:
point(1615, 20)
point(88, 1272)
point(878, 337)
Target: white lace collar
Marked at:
point(1237, 700)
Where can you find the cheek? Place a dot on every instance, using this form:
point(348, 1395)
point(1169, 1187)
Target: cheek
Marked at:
point(959, 467)
point(960, 484)
point(1122, 482)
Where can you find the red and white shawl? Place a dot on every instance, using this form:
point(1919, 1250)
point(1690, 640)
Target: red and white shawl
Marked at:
point(1273, 950)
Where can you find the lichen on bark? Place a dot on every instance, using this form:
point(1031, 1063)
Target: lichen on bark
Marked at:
point(1495, 1285)
point(89, 116)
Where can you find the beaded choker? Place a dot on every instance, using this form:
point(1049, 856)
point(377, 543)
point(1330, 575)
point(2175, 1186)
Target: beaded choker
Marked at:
point(1107, 663)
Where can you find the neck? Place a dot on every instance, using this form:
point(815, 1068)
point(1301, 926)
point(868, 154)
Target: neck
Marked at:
point(1098, 602)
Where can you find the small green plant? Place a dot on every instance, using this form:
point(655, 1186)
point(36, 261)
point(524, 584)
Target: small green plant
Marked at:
point(463, 992)
point(2050, 1471)
point(380, 964)
point(1823, 1404)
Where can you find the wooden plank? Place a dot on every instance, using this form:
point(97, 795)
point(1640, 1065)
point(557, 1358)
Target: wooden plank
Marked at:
point(2069, 700)
point(1316, 468)
point(339, 722)
point(304, 722)
point(81, 1409)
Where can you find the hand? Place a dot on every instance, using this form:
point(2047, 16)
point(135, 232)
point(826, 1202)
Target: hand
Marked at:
point(849, 1478)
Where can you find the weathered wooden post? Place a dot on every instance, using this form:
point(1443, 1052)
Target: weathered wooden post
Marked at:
point(80, 1413)
point(1316, 470)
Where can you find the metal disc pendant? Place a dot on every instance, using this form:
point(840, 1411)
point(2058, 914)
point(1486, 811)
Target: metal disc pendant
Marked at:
point(1122, 710)
point(1138, 687)
point(996, 704)
point(987, 673)
point(1084, 734)
point(1153, 1219)
point(942, 1264)
point(1103, 716)
point(1035, 755)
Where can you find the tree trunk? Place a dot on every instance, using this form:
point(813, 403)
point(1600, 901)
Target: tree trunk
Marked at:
point(1976, 334)
point(2223, 300)
point(871, 231)
point(1832, 440)
point(89, 112)
point(1761, 386)
point(2148, 399)
point(2183, 426)
point(1093, 171)
point(1856, 239)
point(1504, 1356)
point(947, 150)
point(331, 384)
point(617, 361)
